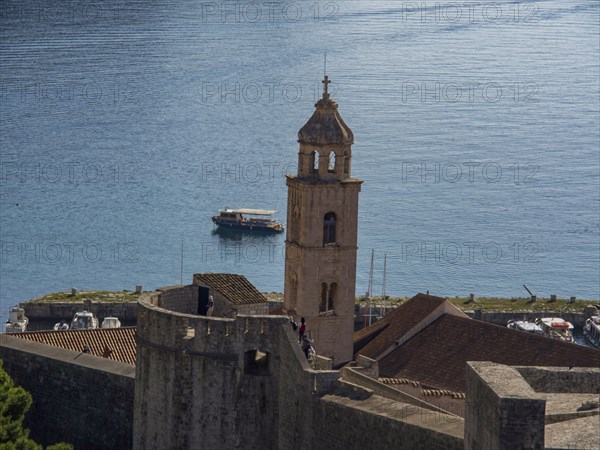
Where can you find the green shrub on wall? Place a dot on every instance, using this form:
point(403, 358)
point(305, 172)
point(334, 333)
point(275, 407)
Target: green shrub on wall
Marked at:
point(14, 404)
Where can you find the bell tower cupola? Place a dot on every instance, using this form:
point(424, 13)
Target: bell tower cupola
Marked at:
point(322, 229)
point(325, 142)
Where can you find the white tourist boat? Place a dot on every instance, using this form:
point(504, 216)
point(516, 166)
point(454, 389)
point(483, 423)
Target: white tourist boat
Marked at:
point(84, 320)
point(524, 325)
point(17, 321)
point(556, 328)
point(111, 322)
point(259, 220)
point(591, 330)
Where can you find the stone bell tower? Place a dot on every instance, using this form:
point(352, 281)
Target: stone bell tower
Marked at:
point(322, 226)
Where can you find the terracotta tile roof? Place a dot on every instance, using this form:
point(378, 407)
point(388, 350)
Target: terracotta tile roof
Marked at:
point(374, 340)
point(120, 340)
point(437, 355)
point(236, 288)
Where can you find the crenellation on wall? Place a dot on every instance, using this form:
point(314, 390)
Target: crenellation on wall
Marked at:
point(179, 298)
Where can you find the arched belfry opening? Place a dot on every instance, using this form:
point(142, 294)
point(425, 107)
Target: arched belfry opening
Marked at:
point(332, 163)
point(321, 242)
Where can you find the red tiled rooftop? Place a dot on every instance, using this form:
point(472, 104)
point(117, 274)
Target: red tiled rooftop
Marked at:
point(438, 354)
point(120, 340)
point(236, 288)
point(376, 339)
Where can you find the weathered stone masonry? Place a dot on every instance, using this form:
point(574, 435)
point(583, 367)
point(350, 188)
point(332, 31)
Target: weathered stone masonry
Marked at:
point(205, 383)
point(77, 398)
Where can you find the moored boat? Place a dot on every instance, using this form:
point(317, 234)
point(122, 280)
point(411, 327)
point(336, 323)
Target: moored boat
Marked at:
point(591, 330)
point(84, 320)
point(17, 321)
point(61, 326)
point(556, 328)
point(245, 219)
point(524, 325)
point(111, 322)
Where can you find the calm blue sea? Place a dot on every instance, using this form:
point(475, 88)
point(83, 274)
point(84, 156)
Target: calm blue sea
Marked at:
point(125, 125)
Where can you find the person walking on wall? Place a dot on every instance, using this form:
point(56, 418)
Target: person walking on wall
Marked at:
point(306, 346)
point(302, 329)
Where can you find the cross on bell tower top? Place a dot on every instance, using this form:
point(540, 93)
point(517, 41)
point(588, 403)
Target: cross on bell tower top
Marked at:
point(326, 82)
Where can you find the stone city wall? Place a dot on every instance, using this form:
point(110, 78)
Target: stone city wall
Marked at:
point(204, 382)
point(502, 411)
point(562, 379)
point(77, 398)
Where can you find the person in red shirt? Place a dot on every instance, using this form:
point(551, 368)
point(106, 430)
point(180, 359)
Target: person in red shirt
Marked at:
point(301, 330)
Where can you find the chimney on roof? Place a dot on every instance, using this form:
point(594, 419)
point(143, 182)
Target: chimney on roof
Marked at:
point(553, 298)
point(138, 288)
point(572, 300)
point(73, 292)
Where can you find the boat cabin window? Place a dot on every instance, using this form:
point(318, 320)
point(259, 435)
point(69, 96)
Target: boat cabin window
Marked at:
point(329, 229)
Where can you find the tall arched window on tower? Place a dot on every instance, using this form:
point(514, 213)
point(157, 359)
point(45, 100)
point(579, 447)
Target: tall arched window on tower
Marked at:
point(329, 229)
point(315, 162)
point(327, 300)
point(323, 301)
point(331, 299)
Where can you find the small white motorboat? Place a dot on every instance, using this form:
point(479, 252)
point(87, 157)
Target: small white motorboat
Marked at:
point(84, 320)
point(524, 325)
point(591, 330)
point(17, 321)
point(111, 322)
point(556, 328)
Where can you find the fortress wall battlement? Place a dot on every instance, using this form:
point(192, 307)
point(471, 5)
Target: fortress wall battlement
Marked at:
point(183, 299)
point(191, 332)
point(204, 382)
point(244, 382)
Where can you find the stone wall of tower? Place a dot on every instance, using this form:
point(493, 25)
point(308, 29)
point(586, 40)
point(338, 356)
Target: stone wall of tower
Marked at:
point(320, 265)
point(309, 263)
point(200, 382)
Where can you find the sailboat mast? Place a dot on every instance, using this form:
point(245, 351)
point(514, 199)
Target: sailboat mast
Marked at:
point(384, 283)
point(181, 266)
point(371, 284)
